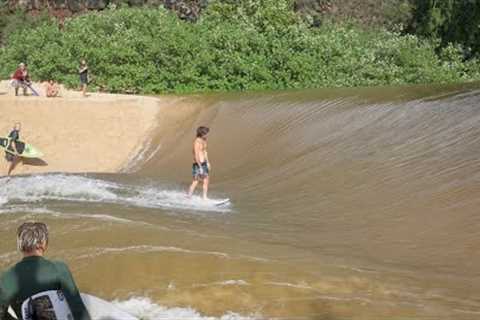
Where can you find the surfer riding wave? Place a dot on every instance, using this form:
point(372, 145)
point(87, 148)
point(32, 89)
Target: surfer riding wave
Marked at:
point(201, 166)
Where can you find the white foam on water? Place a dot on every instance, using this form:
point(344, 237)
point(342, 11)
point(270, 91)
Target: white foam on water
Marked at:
point(57, 187)
point(24, 208)
point(152, 197)
point(3, 201)
point(149, 248)
point(9, 257)
point(13, 209)
point(225, 283)
point(292, 285)
point(76, 188)
point(142, 155)
point(145, 309)
point(98, 251)
point(104, 217)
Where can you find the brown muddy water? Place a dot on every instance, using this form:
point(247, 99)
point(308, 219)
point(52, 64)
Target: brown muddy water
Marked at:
point(345, 204)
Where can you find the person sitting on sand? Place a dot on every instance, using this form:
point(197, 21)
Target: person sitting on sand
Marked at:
point(52, 89)
point(201, 165)
point(20, 79)
point(33, 286)
point(12, 147)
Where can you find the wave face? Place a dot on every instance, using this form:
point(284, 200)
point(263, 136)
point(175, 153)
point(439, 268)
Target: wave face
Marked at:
point(372, 175)
point(344, 203)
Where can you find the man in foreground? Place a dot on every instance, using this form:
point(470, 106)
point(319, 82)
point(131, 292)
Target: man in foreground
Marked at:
point(35, 274)
point(201, 165)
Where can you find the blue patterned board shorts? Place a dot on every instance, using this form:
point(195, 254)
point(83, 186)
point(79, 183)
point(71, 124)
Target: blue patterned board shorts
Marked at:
point(196, 171)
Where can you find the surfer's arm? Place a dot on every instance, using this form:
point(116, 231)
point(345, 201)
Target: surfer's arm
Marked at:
point(71, 292)
point(206, 159)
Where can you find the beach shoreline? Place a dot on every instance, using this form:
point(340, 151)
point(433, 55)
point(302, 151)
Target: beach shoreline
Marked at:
point(98, 133)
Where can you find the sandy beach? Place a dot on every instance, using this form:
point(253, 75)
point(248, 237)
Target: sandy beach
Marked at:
point(98, 133)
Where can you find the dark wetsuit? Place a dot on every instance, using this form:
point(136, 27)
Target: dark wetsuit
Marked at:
point(33, 275)
point(14, 136)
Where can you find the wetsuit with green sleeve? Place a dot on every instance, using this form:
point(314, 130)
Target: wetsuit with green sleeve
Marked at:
point(36, 274)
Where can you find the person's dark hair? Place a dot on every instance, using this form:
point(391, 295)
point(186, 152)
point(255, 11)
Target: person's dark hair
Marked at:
point(30, 235)
point(202, 131)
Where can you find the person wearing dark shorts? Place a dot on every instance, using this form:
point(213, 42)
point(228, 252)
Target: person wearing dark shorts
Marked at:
point(83, 71)
point(11, 157)
point(201, 166)
point(200, 172)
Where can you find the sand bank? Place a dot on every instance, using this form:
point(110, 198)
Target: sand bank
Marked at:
point(99, 133)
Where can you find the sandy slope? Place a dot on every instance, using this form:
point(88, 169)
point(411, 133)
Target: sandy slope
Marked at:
point(98, 133)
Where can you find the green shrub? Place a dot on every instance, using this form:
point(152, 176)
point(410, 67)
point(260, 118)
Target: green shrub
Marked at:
point(253, 46)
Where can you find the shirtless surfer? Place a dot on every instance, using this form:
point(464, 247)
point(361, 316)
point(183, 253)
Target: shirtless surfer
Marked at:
point(201, 165)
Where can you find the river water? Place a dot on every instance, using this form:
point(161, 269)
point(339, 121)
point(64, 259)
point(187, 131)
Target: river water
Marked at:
point(345, 204)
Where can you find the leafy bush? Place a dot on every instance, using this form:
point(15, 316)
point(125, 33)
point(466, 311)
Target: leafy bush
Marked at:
point(252, 46)
point(450, 21)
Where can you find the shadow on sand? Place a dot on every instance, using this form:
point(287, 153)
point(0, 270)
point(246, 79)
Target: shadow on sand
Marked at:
point(36, 162)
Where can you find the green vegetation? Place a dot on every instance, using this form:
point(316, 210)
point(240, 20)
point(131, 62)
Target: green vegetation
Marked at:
point(236, 45)
point(450, 21)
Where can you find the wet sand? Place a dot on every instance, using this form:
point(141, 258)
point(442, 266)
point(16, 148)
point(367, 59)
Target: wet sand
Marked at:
point(98, 133)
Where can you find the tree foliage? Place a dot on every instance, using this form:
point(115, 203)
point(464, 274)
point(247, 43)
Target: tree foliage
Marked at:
point(450, 21)
point(252, 46)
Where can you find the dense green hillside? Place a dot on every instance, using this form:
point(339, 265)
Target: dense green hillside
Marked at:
point(235, 45)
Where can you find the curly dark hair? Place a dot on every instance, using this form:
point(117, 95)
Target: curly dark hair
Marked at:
point(202, 131)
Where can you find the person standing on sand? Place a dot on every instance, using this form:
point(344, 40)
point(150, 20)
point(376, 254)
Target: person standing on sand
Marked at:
point(83, 71)
point(12, 158)
point(31, 286)
point(201, 166)
point(20, 79)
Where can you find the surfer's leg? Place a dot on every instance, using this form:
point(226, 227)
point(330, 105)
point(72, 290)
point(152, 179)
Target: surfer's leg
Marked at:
point(12, 166)
point(9, 159)
point(15, 86)
point(192, 187)
point(205, 187)
point(84, 89)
